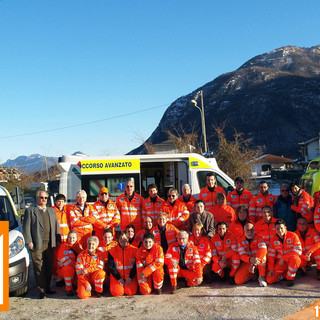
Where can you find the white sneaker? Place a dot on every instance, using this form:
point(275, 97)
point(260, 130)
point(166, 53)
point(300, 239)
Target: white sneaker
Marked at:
point(262, 282)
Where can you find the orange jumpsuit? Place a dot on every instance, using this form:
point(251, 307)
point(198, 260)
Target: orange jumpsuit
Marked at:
point(171, 234)
point(223, 213)
point(310, 243)
point(130, 211)
point(255, 248)
point(256, 205)
point(64, 230)
point(290, 251)
point(266, 230)
point(122, 265)
point(178, 214)
point(317, 218)
point(316, 198)
point(150, 263)
point(209, 197)
point(224, 247)
point(83, 222)
point(192, 261)
point(234, 200)
point(93, 264)
point(152, 209)
point(66, 264)
point(138, 238)
point(205, 251)
point(109, 215)
point(189, 203)
point(304, 206)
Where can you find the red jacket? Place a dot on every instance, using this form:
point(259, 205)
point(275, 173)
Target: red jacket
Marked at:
point(234, 200)
point(109, 215)
point(171, 234)
point(66, 256)
point(209, 197)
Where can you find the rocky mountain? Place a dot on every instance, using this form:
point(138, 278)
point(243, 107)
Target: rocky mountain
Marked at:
point(32, 163)
point(273, 98)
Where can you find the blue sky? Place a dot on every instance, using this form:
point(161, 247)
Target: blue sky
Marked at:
point(70, 62)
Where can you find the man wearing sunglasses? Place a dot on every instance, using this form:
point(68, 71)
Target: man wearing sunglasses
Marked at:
point(42, 234)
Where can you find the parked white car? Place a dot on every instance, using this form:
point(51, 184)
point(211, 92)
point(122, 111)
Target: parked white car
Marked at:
point(19, 261)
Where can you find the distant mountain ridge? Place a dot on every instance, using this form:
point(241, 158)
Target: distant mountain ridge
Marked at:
point(273, 98)
point(32, 163)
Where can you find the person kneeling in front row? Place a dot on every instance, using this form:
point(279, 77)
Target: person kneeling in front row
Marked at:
point(89, 268)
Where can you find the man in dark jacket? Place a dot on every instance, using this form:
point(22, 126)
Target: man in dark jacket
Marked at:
point(42, 233)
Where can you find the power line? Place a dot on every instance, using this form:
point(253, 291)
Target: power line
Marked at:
point(83, 124)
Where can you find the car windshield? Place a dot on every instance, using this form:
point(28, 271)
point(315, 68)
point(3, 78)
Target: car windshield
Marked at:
point(6, 213)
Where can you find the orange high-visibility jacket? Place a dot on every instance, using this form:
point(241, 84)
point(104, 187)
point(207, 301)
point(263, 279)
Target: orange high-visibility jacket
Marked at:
point(223, 213)
point(311, 242)
point(83, 222)
point(105, 248)
point(138, 237)
point(234, 200)
point(256, 205)
point(204, 248)
point(149, 261)
point(317, 218)
point(304, 207)
point(223, 247)
point(63, 221)
point(236, 228)
point(109, 215)
point(171, 234)
point(255, 248)
point(192, 258)
point(66, 256)
point(122, 261)
point(178, 214)
point(266, 230)
point(291, 246)
point(90, 262)
point(316, 198)
point(190, 203)
point(209, 197)
point(152, 209)
point(130, 211)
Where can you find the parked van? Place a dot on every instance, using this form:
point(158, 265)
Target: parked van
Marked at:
point(165, 170)
point(310, 180)
point(19, 262)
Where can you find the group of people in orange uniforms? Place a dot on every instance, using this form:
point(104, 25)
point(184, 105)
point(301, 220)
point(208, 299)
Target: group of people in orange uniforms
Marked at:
point(233, 238)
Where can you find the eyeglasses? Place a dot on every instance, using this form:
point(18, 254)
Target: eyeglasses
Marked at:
point(129, 186)
point(45, 198)
point(172, 196)
point(103, 194)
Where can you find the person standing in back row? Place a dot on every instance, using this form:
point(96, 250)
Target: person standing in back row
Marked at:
point(42, 234)
point(208, 194)
point(130, 206)
point(239, 196)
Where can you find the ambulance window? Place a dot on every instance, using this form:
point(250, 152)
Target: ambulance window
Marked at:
point(220, 181)
point(7, 214)
point(114, 182)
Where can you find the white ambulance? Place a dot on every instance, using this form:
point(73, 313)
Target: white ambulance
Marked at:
point(167, 171)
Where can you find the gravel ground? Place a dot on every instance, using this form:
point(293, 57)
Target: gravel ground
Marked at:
point(209, 301)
